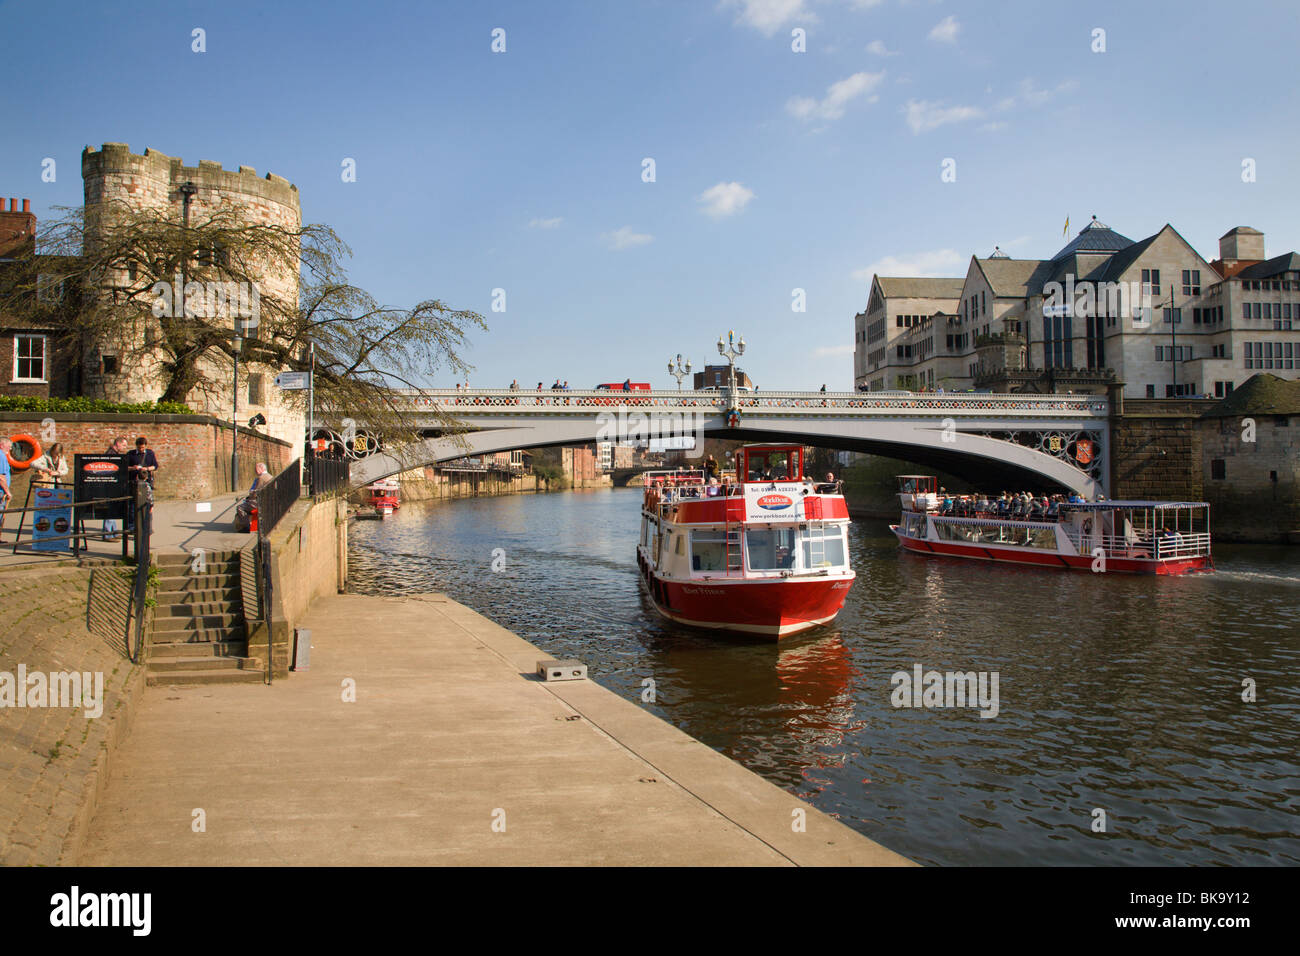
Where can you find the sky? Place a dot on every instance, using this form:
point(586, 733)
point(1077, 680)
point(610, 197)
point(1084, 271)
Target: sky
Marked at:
point(775, 169)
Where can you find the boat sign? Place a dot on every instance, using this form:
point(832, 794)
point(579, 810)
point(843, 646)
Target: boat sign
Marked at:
point(775, 501)
point(292, 380)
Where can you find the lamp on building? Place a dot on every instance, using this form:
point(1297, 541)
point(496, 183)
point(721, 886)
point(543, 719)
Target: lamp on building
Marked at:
point(256, 420)
point(678, 372)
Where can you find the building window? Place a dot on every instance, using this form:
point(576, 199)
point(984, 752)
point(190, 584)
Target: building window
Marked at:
point(29, 358)
point(109, 364)
point(1150, 281)
point(1151, 391)
point(1222, 389)
point(1217, 470)
point(1191, 282)
point(1174, 316)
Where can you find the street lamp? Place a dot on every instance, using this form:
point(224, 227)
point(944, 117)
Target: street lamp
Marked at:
point(731, 350)
point(678, 371)
point(234, 412)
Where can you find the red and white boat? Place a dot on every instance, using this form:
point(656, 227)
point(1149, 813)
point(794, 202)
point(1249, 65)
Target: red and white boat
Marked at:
point(1134, 537)
point(385, 496)
point(766, 554)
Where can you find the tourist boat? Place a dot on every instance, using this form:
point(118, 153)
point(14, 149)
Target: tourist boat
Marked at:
point(384, 496)
point(1134, 537)
point(764, 554)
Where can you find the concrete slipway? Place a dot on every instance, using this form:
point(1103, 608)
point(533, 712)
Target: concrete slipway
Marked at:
point(449, 737)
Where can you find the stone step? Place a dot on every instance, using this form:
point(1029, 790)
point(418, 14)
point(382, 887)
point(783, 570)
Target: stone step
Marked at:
point(211, 596)
point(170, 664)
point(206, 635)
point(191, 650)
point(181, 678)
point(165, 611)
point(166, 625)
point(173, 558)
point(187, 570)
point(198, 582)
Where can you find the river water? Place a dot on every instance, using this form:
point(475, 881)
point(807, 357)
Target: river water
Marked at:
point(1117, 695)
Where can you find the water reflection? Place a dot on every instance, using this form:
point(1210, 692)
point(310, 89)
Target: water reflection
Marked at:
point(1117, 693)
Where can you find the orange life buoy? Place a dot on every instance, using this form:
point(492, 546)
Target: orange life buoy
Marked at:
point(22, 463)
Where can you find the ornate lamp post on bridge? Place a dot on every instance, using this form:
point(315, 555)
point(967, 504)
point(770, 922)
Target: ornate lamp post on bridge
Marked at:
point(731, 351)
point(678, 372)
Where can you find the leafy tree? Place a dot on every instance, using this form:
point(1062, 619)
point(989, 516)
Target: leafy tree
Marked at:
point(144, 281)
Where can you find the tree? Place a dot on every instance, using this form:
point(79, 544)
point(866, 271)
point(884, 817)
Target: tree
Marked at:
point(172, 296)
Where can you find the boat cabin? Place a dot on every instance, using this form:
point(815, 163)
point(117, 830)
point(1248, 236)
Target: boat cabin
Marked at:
point(772, 462)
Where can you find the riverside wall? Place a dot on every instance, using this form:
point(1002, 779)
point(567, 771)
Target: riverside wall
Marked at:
point(55, 762)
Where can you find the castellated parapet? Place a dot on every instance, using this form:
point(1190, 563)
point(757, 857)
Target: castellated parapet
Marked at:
point(152, 181)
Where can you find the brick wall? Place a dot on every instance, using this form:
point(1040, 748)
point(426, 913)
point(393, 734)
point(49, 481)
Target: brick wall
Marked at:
point(1156, 456)
point(193, 451)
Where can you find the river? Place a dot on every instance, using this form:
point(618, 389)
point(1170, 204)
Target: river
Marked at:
point(1120, 699)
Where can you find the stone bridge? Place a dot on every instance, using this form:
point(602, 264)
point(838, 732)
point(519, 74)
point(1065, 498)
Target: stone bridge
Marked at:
point(995, 441)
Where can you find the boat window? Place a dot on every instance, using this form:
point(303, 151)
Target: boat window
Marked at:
point(980, 533)
point(823, 548)
point(681, 545)
point(770, 549)
point(708, 550)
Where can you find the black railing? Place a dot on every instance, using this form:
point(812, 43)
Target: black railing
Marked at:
point(326, 476)
point(276, 498)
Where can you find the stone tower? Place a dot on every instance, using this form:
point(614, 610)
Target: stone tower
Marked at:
point(154, 180)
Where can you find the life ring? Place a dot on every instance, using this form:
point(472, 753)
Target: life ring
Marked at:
point(24, 463)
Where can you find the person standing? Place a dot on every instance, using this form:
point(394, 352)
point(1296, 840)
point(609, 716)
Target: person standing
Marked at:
point(141, 465)
point(51, 466)
point(5, 492)
point(118, 447)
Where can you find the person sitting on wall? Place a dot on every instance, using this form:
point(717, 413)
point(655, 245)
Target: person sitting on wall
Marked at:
point(244, 510)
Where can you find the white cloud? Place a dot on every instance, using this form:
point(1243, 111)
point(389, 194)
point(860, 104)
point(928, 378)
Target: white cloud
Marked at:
point(878, 48)
point(993, 127)
point(725, 199)
point(924, 115)
point(946, 30)
point(936, 262)
point(838, 95)
point(768, 16)
point(1030, 95)
point(546, 223)
point(625, 238)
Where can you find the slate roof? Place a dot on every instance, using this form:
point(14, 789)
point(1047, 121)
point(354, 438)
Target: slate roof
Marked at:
point(1015, 278)
point(1261, 394)
point(920, 288)
point(1288, 262)
point(1094, 237)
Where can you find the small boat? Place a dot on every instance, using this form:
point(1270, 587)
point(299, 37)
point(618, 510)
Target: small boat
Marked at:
point(1132, 537)
point(384, 496)
point(764, 552)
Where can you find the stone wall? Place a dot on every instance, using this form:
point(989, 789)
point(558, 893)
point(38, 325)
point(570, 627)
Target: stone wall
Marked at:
point(308, 560)
point(1257, 497)
point(429, 484)
point(55, 761)
point(1156, 453)
point(193, 450)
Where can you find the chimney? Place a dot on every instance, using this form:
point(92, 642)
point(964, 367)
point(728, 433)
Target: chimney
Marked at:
point(17, 229)
point(1241, 244)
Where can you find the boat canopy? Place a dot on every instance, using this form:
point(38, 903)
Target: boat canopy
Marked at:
point(1130, 505)
point(773, 462)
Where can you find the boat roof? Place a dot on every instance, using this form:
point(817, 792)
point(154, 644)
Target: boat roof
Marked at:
point(1105, 505)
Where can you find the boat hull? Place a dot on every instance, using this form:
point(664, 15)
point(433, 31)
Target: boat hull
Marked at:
point(1038, 557)
point(775, 608)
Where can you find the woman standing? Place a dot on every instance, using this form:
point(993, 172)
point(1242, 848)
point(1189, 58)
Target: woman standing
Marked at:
point(51, 466)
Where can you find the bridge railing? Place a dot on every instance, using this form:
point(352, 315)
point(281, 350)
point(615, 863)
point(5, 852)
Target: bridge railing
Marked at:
point(503, 400)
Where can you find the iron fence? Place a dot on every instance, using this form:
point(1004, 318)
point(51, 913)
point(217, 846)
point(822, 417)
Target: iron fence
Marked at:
point(276, 498)
point(326, 476)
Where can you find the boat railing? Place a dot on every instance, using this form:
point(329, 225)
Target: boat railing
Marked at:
point(1159, 547)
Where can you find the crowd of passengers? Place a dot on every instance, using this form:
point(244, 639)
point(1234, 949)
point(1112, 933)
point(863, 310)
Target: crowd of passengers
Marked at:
point(1007, 505)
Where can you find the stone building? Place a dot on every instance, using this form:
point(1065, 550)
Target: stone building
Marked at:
point(719, 376)
point(162, 183)
point(1152, 314)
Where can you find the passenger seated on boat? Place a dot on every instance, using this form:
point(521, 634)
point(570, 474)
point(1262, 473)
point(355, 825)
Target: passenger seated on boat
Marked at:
point(714, 489)
point(785, 557)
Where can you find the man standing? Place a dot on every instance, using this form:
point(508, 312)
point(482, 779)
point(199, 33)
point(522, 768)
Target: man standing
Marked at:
point(140, 466)
point(5, 492)
point(117, 448)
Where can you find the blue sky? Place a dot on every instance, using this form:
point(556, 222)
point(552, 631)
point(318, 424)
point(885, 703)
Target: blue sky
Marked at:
point(774, 170)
